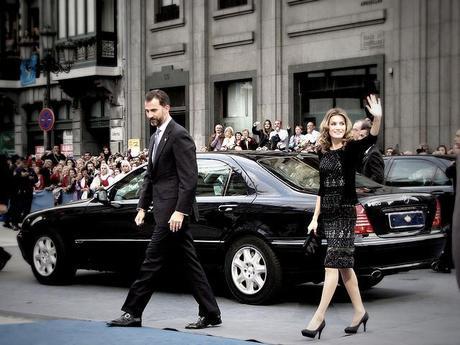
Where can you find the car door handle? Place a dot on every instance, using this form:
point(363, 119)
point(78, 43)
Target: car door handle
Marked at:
point(437, 192)
point(226, 208)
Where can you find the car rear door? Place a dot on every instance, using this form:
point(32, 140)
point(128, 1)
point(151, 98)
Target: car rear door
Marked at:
point(223, 196)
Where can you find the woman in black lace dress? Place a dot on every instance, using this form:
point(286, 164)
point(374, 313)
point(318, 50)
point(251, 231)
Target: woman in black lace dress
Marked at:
point(338, 154)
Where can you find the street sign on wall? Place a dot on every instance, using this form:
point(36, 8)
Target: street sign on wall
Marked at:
point(46, 119)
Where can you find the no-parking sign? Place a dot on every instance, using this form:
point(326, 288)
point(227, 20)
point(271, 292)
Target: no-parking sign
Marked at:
point(46, 119)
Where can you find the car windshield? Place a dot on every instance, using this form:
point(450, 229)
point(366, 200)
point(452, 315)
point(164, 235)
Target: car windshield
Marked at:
point(293, 171)
point(297, 172)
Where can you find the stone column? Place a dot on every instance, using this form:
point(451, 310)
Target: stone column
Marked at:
point(199, 73)
point(134, 54)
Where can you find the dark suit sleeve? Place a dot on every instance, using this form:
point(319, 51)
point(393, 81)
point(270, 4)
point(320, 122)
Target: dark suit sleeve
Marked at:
point(185, 156)
point(145, 197)
point(374, 167)
point(358, 147)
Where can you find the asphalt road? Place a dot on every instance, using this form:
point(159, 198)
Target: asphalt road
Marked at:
point(418, 307)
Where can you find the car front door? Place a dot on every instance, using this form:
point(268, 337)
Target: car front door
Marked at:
point(108, 231)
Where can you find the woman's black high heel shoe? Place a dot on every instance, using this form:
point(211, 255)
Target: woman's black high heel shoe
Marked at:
point(311, 334)
point(354, 329)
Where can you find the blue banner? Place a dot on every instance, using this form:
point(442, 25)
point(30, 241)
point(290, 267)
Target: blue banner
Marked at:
point(28, 70)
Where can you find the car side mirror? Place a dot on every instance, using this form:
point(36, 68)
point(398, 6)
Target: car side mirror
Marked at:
point(102, 196)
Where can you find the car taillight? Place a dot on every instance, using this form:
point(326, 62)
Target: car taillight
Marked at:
point(363, 226)
point(437, 216)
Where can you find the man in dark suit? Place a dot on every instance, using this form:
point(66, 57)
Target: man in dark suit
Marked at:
point(169, 183)
point(372, 164)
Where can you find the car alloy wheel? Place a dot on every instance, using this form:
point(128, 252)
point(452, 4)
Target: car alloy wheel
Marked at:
point(249, 270)
point(252, 270)
point(45, 256)
point(50, 258)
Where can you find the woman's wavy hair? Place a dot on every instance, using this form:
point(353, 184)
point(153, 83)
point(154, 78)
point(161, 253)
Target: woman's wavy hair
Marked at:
point(268, 130)
point(324, 140)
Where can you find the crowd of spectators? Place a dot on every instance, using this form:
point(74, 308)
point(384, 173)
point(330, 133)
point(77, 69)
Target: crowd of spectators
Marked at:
point(304, 139)
point(268, 137)
point(66, 178)
point(71, 179)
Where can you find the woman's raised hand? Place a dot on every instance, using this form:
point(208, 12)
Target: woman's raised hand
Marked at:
point(374, 106)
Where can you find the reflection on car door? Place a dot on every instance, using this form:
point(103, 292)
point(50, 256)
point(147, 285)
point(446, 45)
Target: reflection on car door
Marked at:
point(111, 226)
point(222, 196)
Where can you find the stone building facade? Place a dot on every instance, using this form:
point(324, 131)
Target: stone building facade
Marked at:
point(236, 62)
point(239, 61)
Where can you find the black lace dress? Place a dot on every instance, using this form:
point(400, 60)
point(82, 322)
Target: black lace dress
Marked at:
point(338, 214)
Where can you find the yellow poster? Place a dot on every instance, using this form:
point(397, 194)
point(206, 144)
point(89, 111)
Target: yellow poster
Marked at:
point(134, 145)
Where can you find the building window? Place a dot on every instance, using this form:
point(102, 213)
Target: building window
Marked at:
point(231, 3)
point(77, 17)
point(97, 110)
point(63, 112)
point(108, 18)
point(222, 9)
point(71, 18)
point(10, 31)
point(167, 10)
point(235, 103)
point(90, 16)
point(317, 91)
point(81, 17)
point(168, 14)
point(33, 116)
point(62, 10)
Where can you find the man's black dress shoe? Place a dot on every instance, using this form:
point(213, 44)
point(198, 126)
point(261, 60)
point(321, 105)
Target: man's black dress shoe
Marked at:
point(4, 257)
point(205, 321)
point(126, 320)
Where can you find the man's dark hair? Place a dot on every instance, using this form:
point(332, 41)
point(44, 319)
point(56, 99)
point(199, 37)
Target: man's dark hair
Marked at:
point(162, 97)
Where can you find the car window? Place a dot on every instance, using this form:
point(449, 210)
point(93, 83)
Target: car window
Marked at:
point(411, 172)
point(129, 187)
point(441, 179)
point(212, 177)
point(292, 170)
point(237, 185)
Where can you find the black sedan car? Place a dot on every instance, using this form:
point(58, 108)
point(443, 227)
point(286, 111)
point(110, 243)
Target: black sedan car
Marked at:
point(254, 210)
point(423, 173)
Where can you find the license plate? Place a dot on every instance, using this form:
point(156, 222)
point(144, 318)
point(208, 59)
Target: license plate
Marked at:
point(411, 219)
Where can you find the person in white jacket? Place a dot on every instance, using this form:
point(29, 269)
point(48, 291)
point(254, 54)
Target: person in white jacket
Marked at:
point(102, 180)
point(279, 138)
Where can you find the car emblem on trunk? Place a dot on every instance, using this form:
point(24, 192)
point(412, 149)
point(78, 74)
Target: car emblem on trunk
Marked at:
point(407, 219)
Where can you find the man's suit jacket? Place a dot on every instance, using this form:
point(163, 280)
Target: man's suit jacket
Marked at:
point(373, 165)
point(170, 181)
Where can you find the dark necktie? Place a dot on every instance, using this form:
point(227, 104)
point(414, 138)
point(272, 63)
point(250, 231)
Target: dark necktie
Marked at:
point(156, 142)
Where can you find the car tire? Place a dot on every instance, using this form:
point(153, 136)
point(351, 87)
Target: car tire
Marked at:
point(252, 271)
point(50, 260)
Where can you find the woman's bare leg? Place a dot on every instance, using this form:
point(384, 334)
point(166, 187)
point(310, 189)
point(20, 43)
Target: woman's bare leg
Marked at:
point(331, 280)
point(351, 284)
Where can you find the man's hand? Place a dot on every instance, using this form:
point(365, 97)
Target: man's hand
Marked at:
point(3, 209)
point(176, 220)
point(139, 220)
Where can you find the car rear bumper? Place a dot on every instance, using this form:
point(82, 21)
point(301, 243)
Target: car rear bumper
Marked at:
point(392, 255)
point(372, 254)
